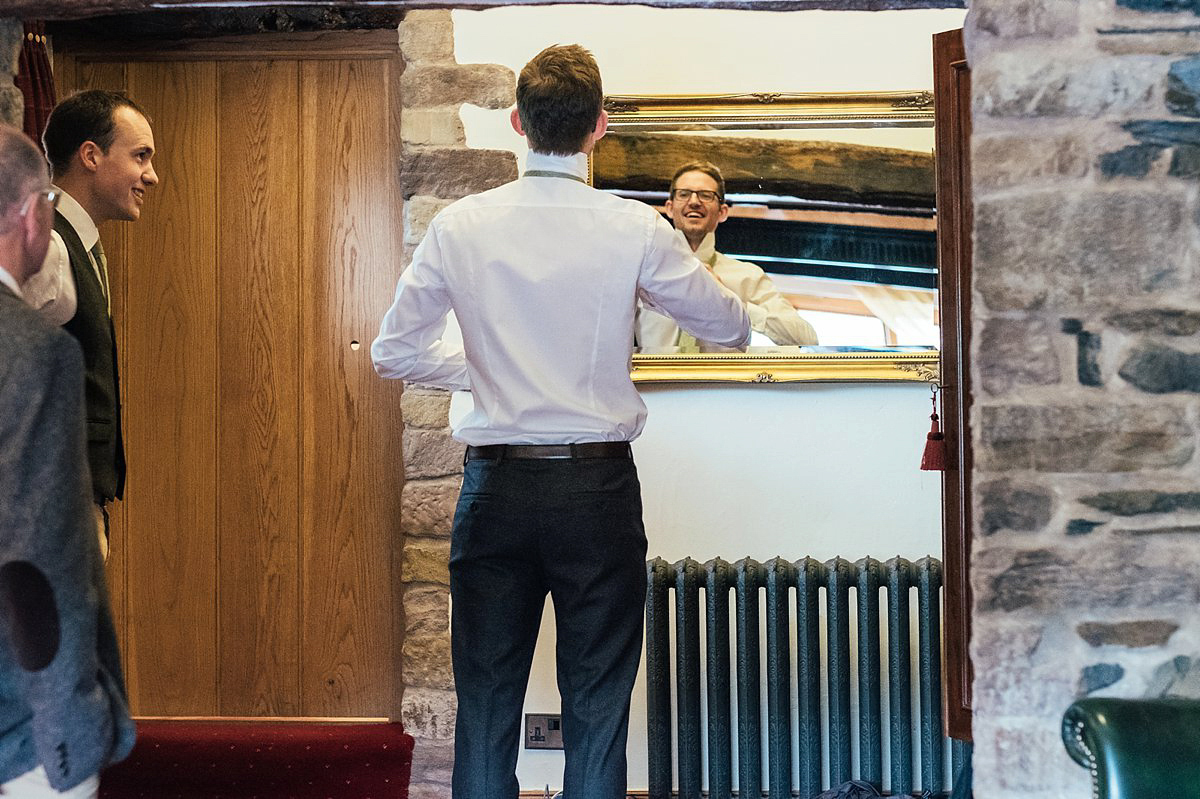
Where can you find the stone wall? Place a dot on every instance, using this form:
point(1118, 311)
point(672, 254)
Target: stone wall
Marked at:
point(438, 168)
point(12, 104)
point(1086, 154)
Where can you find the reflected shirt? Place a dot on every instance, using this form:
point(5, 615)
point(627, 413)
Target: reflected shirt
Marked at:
point(543, 275)
point(770, 312)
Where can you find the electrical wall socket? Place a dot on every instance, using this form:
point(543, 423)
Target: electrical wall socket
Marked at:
point(543, 731)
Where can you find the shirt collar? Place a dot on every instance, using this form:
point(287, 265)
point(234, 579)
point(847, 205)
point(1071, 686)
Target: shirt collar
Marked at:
point(70, 208)
point(11, 282)
point(707, 251)
point(575, 165)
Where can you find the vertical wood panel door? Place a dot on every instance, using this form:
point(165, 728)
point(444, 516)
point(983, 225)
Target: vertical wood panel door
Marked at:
point(255, 557)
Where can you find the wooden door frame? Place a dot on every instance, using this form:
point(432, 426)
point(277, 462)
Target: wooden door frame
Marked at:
point(952, 97)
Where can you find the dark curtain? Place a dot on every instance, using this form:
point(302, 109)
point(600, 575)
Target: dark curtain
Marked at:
point(35, 80)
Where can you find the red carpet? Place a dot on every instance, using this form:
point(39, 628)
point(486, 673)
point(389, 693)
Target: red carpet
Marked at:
point(263, 760)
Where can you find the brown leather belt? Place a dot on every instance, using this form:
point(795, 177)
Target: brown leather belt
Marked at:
point(591, 449)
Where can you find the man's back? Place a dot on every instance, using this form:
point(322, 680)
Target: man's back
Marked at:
point(543, 274)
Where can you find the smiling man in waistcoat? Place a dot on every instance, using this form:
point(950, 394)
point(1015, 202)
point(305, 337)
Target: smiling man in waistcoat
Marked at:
point(100, 149)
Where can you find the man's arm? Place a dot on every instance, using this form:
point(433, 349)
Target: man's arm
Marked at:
point(52, 290)
point(409, 345)
point(770, 312)
point(52, 593)
point(674, 283)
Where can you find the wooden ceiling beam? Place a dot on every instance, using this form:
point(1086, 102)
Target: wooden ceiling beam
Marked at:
point(81, 9)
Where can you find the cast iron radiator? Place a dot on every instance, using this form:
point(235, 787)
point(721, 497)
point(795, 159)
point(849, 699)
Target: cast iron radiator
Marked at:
point(804, 728)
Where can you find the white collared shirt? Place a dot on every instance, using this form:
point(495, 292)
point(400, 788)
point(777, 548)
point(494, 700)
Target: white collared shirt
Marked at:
point(543, 275)
point(52, 290)
point(6, 277)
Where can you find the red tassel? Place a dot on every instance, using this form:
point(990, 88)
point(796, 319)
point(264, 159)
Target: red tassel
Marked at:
point(934, 459)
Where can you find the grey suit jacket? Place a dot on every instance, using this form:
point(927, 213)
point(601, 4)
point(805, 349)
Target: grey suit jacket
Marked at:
point(62, 698)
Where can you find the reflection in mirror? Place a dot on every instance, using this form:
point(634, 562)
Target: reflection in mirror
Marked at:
point(838, 217)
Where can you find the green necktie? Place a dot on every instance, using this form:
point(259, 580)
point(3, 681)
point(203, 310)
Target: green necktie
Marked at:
point(102, 267)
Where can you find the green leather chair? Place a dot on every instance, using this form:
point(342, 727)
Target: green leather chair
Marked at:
point(1136, 748)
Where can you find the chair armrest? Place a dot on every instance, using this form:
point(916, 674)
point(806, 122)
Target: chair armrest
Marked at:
point(1136, 748)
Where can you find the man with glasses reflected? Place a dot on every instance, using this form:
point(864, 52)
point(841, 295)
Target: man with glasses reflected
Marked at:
point(100, 149)
point(696, 205)
point(63, 714)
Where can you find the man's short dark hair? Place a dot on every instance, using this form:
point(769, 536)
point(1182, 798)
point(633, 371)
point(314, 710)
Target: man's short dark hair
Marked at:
point(20, 165)
point(708, 168)
point(85, 116)
point(559, 99)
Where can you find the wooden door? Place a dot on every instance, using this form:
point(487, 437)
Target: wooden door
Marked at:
point(952, 109)
point(255, 565)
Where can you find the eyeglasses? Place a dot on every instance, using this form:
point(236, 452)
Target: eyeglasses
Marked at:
point(703, 195)
point(51, 196)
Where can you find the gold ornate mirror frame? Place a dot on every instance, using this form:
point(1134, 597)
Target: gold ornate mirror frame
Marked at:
point(775, 110)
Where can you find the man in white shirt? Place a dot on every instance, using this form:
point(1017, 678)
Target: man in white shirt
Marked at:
point(543, 275)
point(100, 148)
point(63, 714)
point(697, 205)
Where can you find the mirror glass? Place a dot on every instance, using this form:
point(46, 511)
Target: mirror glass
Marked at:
point(827, 223)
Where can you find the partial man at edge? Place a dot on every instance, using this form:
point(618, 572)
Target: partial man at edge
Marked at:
point(543, 275)
point(696, 204)
point(100, 149)
point(63, 713)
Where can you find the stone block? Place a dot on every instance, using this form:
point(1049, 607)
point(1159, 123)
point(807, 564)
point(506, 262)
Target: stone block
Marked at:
point(428, 790)
point(12, 36)
point(1082, 526)
point(1122, 574)
point(1177, 678)
point(1164, 132)
point(1024, 756)
point(426, 560)
point(1012, 680)
point(427, 36)
point(1086, 439)
point(419, 211)
point(427, 408)
point(1001, 161)
point(1015, 353)
point(426, 610)
point(1131, 634)
point(1065, 248)
point(428, 506)
point(1133, 503)
point(1011, 505)
point(1013, 19)
point(426, 662)
point(1183, 87)
point(1098, 676)
point(429, 713)
point(1133, 161)
point(1185, 162)
point(1162, 321)
point(12, 105)
point(1160, 370)
point(433, 761)
point(1045, 82)
point(440, 127)
point(1160, 6)
point(451, 172)
point(431, 453)
point(433, 85)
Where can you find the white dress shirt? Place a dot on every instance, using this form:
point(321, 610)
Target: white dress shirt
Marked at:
point(543, 275)
point(770, 312)
point(7, 279)
point(52, 290)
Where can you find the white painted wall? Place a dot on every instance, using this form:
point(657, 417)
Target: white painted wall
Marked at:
point(742, 470)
